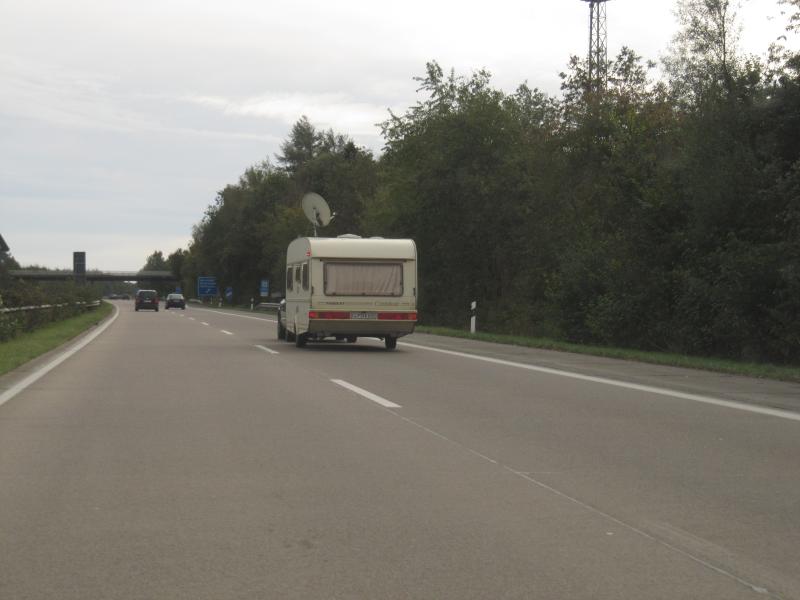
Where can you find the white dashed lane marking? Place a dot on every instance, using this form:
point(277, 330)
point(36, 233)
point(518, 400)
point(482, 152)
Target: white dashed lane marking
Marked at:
point(369, 395)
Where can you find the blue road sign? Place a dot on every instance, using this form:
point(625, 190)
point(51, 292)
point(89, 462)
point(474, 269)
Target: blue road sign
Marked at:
point(263, 289)
point(207, 286)
point(229, 293)
point(178, 289)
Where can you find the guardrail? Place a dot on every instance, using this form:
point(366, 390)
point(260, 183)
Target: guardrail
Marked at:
point(94, 304)
point(267, 306)
point(259, 306)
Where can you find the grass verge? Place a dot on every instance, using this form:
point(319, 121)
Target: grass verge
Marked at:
point(719, 365)
point(28, 346)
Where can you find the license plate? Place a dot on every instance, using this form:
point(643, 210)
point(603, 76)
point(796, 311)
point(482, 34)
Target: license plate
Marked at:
point(363, 315)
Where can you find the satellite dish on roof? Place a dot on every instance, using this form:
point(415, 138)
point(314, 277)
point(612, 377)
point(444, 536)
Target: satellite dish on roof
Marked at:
point(317, 210)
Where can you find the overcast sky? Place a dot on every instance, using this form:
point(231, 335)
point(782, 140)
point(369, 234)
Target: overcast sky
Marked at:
point(119, 121)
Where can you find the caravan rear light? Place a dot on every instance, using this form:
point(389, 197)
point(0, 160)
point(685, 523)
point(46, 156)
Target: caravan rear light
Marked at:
point(314, 314)
point(393, 316)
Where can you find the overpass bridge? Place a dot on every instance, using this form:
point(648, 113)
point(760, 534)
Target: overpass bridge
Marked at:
point(79, 274)
point(93, 276)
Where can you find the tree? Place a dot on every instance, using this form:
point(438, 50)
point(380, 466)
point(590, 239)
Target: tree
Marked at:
point(300, 147)
point(644, 214)
point(703, 55)
point(464, 171)
point(155, 262)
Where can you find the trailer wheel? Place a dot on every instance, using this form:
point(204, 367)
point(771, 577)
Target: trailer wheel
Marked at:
point(290, 336)
point(300, 340)
point(391, 342)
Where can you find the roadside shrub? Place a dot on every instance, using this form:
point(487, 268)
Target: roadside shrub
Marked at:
point(18, 294)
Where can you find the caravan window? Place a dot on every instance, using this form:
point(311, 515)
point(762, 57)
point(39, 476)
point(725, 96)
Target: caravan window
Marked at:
point(289, 278)
point(363, 279)
point(304, 276)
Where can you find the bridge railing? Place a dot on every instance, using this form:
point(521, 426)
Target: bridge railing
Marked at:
point(93, 276)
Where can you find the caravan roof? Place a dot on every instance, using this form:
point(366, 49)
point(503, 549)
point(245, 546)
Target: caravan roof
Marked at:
point(398, 249)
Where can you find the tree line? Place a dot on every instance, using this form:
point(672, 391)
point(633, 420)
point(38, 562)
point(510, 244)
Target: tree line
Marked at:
point(658, 213)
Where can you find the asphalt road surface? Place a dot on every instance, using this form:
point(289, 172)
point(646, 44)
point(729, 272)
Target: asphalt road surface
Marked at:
point(189, 454)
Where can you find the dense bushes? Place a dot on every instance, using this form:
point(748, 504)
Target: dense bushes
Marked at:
point(20, 294)
point(656, 215)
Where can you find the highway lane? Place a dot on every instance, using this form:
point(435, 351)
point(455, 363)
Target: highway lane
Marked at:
point(643, 456)
point(171, 459)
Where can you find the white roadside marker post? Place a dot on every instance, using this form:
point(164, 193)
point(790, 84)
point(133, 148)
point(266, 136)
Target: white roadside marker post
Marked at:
point(473, 319)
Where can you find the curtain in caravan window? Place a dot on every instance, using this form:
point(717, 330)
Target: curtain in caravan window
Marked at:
point(363, 279)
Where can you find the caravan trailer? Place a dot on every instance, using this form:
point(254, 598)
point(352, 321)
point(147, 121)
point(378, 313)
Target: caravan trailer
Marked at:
point(349, 287)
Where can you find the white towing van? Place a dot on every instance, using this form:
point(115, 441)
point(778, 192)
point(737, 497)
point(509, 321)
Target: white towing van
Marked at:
point(347, 287)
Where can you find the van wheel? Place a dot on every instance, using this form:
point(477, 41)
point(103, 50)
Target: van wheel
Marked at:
point(391, 342)
point(300, 340)
point(351, 339)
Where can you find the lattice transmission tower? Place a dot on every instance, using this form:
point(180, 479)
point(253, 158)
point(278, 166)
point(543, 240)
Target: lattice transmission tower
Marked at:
point(598, 51)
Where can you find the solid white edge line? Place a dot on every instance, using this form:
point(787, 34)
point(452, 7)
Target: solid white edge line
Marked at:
point(222, 312)
point(265, 349)
point(369, 395)
point(761, 410)
point(226, 332)
point(41, 372)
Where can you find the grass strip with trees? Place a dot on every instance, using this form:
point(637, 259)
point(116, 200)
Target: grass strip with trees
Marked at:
point(657, 210)
point(27, 346)
point(718, 365)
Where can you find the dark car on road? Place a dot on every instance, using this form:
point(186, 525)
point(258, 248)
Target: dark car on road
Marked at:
point(146, 299)
point(175, 301)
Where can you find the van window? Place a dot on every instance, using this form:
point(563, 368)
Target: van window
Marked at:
point(363, 279)
point(289, 278)
point(304, 276)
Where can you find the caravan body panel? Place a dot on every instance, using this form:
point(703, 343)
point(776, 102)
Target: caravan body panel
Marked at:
point(351, 287)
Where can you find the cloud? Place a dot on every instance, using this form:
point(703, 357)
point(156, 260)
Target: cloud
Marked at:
point(128, 117)
point(327, 109)
point(79, 100)
point(38, 91)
